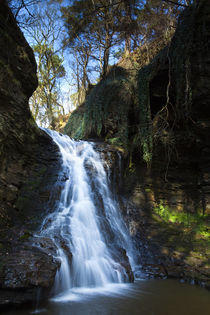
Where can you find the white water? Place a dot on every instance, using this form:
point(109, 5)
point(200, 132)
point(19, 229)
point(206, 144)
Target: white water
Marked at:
point(86, 224)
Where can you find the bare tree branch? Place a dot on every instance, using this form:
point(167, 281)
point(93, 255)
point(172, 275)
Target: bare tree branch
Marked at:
point(176, 3)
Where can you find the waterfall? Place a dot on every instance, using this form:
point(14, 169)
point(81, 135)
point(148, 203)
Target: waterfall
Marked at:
point(92, 240)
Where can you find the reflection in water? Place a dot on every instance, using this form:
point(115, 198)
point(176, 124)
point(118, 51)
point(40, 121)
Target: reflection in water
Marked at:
point(145, 297)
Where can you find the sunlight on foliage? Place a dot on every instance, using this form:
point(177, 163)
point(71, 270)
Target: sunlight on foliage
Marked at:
point(196, 222)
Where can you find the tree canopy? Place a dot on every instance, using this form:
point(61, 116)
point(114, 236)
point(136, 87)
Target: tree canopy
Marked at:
point(97, 34)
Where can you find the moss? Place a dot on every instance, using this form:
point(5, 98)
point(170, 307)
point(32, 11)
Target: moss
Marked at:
point(22, 53)
point(105, 111)
point(75, 125)
point(107, 108)
point(196, 223)
point(25, 236)
point(148, 190)
point(144, 136)
point(115, 141)
point(9, 77)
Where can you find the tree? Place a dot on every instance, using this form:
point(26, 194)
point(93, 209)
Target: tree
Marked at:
point(108, 25)
point(127, 21)
point(23, 11)
point(93, 30)
point(181, 3)
point(95, 23)
point(44, 103)
point(44, 34)
point(97, 29)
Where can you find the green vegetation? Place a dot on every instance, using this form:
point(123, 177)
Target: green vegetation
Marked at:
point(105, 113)
point(194, 222)
point(106, 108)
point(132, 31)
point(26, 235)
point(118, 108)
point(44, 103)
point(75, 124)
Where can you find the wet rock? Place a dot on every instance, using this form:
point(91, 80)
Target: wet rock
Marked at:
point(120, 256)
point(124, 261)
point(66, 249)
point(23, 271)
point(45, 244)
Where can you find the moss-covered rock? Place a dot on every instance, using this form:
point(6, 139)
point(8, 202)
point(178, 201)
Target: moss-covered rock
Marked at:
point(74, 127)
point(106, 111)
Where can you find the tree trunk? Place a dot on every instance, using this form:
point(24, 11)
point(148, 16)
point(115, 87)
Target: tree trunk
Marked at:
point(105, 62)
point(106, 52)
point(127, 32)
point(127, 44)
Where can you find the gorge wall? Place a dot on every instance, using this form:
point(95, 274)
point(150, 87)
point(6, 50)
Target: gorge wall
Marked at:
point(158, 116)
point(29, 164)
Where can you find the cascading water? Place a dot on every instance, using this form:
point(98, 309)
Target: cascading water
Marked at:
point(87, 227)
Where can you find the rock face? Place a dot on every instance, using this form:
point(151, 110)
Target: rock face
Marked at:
point(166, 117)
point(181, 128)
point(178, 179)
point(29, 166)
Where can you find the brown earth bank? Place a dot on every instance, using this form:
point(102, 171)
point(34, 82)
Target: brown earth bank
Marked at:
point(29, 167)
point(159, 117)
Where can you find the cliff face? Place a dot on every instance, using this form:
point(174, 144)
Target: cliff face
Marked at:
point(176, 87)
point(177, 185)
point(29, 164)
point(164, 122)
